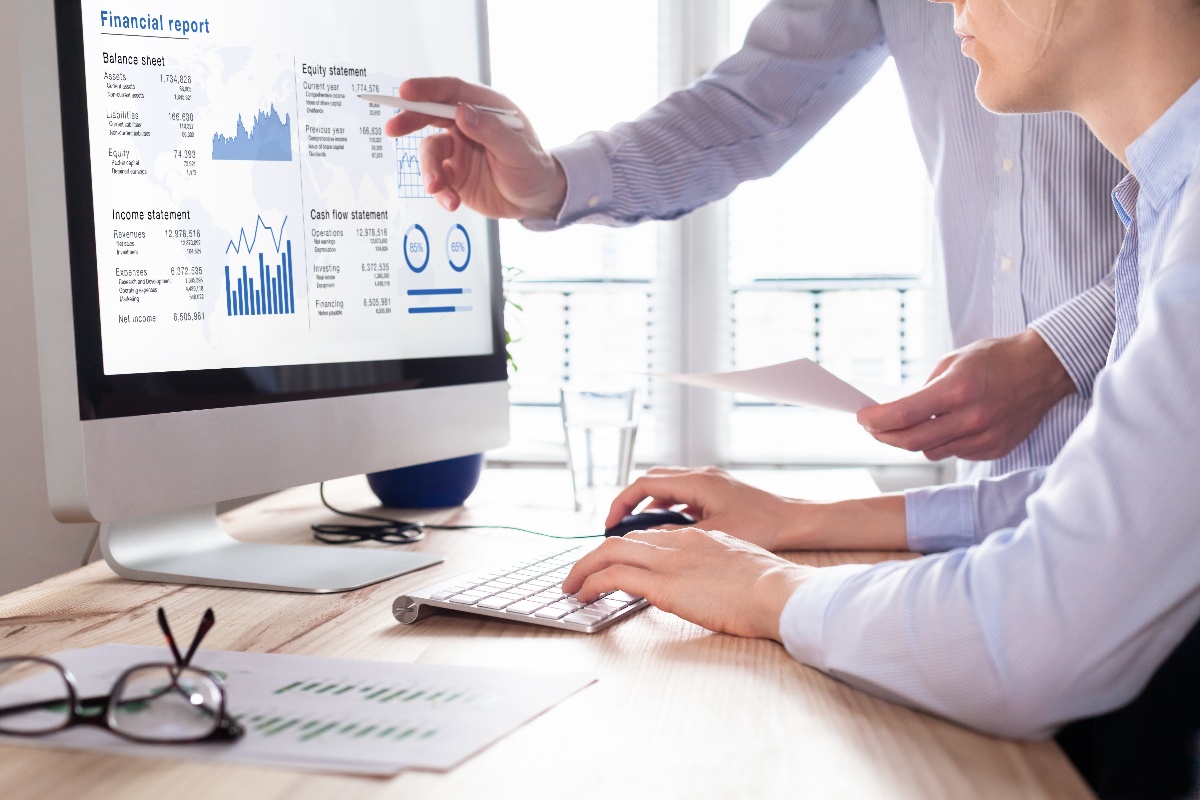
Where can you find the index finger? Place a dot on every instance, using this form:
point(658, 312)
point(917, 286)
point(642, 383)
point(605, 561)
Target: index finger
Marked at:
point(921, 405)
point(403, 123)
point(667, 490)
point(628, 552)
point(453, 90)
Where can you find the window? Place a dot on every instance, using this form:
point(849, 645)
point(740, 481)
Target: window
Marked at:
point(730, 286)
point(584, 292)
point(831, 259)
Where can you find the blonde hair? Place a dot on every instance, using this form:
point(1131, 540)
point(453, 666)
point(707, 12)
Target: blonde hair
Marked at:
point(1056, 11)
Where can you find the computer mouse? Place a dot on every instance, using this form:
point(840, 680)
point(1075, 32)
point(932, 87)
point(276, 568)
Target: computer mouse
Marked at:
point(649, 518)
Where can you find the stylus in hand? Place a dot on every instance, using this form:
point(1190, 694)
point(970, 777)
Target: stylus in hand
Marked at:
point(444, 110)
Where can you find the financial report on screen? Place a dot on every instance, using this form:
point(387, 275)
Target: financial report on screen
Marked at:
point(249, 210)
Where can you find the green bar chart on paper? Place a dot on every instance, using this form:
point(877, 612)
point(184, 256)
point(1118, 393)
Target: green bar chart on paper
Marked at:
point(307, 729)
point(366, 717)
point(373, 693)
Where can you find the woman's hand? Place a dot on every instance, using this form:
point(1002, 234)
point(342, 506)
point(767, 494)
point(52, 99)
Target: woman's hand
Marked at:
point(706, 577)
point(716, 500)
point(720, 502)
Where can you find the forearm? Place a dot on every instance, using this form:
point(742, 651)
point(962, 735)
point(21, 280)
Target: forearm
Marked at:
point(871, 523)
point(1069, 614)
point(799, 66)
point(1079, 333)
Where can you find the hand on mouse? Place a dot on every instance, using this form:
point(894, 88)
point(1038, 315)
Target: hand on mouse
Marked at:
point(720, 502)
point(706, 577)
point(493, 169)
point(717, 500)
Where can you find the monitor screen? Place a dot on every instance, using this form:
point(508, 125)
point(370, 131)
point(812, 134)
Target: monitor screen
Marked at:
point(241, 230)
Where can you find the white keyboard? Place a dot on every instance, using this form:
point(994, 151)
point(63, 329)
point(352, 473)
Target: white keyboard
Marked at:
point(529, 590)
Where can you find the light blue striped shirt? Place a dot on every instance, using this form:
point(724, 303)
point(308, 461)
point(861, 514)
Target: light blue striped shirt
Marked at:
point(1068, 614)
point(1026, 231)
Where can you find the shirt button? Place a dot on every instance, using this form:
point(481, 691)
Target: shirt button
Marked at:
point(593, 201)
point(1006, 264)
point(1008, 164)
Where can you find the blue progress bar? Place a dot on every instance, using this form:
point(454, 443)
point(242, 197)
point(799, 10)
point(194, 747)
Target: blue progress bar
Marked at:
point(437, 309)
point(423, 292)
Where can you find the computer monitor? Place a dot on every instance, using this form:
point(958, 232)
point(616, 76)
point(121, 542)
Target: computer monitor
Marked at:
point(241, 284)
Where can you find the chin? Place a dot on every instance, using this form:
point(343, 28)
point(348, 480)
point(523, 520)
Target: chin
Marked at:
point(1010, 99)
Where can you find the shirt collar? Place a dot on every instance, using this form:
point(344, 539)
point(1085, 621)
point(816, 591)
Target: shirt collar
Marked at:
point(1124, 198)
point(1156, 157)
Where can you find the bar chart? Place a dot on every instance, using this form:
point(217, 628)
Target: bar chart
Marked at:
point(269, 290)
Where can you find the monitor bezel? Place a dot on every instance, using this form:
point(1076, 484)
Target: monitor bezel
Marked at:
point(104, 396)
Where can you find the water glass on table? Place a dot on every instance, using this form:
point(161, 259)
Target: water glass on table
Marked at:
point(600, 425)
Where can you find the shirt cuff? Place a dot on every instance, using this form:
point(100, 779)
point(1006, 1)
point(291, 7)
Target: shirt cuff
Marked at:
point(1079, 332)
point(940, 518)
point(802, 623)
point(589, 184)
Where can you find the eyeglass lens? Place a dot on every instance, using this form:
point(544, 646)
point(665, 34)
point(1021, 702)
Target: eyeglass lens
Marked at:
point(34, 697)
point(166, 704)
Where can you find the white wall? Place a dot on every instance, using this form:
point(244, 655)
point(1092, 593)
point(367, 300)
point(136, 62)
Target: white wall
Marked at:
point(33, 546)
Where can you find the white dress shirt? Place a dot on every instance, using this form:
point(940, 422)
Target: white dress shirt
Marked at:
point(1069, 613)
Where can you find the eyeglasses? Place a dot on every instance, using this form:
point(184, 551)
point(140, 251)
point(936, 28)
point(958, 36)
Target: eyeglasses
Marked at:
point(155, 703)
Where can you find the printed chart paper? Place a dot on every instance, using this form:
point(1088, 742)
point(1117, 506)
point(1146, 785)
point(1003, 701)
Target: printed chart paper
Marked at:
point(330, 714)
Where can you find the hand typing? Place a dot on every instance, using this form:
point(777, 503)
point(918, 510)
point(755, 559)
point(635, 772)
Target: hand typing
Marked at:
point(706, 577)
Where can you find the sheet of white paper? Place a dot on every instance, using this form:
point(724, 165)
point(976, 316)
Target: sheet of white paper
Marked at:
point(330, 714)
point(802, 382)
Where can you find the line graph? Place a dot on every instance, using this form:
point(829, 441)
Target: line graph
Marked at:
point(408, 166)
point(259, 225)
point(269, 139)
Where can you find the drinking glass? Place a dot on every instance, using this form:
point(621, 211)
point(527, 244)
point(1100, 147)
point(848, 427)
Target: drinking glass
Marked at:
point(600, 426)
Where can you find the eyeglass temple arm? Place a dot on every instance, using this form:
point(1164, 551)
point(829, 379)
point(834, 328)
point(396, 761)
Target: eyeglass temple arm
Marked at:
point(206, 624)
point(166, 629)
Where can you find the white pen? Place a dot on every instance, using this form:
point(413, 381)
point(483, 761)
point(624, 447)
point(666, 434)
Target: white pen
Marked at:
point(444, 110)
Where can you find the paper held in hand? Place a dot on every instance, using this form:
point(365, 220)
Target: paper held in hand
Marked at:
point(800, 382)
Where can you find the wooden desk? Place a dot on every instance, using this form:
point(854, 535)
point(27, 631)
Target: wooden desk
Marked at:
point(677, 711)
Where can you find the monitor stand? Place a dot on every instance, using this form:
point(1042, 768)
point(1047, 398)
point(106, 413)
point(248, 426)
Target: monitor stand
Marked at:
point(191, 547)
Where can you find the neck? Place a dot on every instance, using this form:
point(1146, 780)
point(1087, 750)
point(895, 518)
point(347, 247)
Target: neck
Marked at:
point(1128, 82)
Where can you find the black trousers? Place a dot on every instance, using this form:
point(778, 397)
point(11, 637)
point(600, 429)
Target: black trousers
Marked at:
point(1146, 750)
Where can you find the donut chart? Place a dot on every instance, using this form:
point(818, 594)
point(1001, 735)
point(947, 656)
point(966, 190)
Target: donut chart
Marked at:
point(416, 248)
point(458, 248)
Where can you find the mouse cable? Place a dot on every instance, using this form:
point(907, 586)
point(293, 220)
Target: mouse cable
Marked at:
point(395, 531)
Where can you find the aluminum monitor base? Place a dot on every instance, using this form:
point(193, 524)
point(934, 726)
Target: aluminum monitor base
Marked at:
point(191, 547)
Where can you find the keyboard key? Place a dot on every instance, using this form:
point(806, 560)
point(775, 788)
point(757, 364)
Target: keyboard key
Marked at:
point(466, 599)
point(586, 616)
point(523, 607)
point(495, 603)
point(607, 606)
point(624, 596)
point(556, 611)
